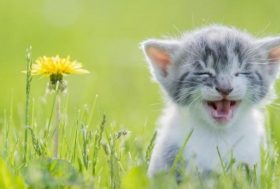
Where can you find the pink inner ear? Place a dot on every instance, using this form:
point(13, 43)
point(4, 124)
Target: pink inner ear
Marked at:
point(160, 57)
point(274, 54)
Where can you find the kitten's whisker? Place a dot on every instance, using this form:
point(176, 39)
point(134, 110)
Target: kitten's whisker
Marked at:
point(181, 96)
point(259, 34)
point(186, 81)
point(196, 99)
point(255, 48)
point(259, 63)
point(277, 108)
point(262, 60)
point(194, 53)
point(275, 104)
point(190, 82)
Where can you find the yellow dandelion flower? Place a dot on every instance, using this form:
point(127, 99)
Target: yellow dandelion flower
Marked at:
point(56, 66)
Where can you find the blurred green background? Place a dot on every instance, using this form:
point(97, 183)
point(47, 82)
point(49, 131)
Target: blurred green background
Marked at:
point(104, 35)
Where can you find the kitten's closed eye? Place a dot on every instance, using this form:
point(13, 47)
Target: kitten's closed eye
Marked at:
point(204, 74)
point(242, 73)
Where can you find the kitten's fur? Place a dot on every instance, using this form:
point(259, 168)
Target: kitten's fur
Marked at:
point(191, 71)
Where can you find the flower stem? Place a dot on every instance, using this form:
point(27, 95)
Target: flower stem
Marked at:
point(57, 124)
point(27, 100)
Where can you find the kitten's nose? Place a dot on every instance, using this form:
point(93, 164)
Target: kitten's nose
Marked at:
point(224, 90)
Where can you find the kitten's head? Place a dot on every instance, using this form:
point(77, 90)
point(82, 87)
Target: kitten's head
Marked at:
point(217, 72)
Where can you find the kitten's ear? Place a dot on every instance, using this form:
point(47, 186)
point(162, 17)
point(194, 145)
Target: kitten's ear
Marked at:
point(160, 54)
point(271, 45)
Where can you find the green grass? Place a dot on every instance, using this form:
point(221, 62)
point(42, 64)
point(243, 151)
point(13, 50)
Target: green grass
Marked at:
point(101, 155)
point(108, 116)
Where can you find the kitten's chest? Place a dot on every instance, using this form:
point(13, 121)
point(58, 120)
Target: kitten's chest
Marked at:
point(207, 150)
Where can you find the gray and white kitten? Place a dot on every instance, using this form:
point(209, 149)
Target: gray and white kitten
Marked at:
point(216, 80)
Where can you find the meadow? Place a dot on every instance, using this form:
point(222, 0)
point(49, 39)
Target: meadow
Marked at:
point(108, 117)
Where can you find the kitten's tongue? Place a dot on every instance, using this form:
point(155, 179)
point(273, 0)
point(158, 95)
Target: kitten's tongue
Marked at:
point(222, 110)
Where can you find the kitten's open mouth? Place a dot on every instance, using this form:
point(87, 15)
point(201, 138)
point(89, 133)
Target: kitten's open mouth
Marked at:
point(222, 110)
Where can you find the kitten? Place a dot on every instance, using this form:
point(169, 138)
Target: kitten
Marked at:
point(217, 80)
